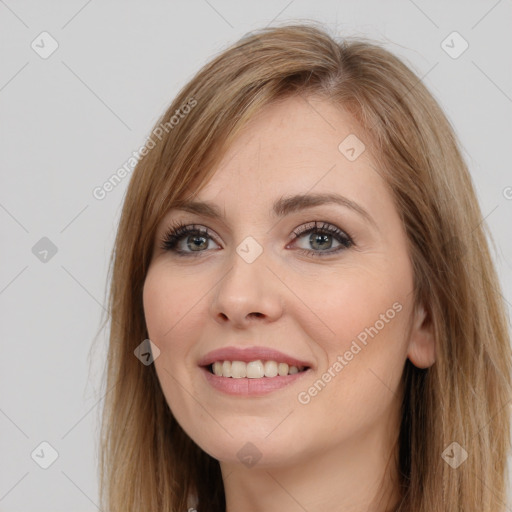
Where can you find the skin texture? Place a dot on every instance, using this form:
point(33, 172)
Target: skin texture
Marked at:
point(330, 453)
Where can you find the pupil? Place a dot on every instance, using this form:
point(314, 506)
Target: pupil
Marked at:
point(319, 238)
point(196, 244)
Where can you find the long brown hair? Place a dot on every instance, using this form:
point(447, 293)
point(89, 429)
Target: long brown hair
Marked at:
point(147, 462)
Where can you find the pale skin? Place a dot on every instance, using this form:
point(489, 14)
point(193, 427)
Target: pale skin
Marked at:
point(330, 453)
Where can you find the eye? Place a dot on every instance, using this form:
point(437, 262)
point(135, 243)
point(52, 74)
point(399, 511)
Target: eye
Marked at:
point(321, 238)
point(191, 240)
point(196, 239)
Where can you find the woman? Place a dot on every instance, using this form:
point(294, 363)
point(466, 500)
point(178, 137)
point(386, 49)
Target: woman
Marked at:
point(302, 244)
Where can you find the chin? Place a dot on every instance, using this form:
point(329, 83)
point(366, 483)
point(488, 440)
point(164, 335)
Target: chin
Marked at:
point(251, 451)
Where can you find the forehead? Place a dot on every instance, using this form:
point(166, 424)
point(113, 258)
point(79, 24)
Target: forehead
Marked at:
point(295, 146)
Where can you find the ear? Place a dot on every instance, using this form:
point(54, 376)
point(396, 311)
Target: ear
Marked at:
point(422, 347)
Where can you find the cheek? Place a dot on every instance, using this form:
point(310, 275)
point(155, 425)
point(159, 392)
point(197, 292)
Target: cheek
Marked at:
point(366, 347)
point(366, 303)
point(175, 312)
point(371, 313)
point(167, 303)
point(168, 310)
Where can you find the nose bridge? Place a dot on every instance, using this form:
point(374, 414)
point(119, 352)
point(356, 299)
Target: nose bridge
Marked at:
point(248, 289)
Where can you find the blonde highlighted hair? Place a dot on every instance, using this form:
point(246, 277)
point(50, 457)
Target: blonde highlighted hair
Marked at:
point(147, 462)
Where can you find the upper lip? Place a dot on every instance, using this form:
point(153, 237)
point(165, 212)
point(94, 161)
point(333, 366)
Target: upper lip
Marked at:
point(250, 354)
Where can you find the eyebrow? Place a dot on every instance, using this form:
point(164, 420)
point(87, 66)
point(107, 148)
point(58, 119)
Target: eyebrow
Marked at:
point(283, 206)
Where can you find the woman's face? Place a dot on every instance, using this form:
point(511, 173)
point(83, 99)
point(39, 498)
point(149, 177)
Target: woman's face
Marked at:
point(335, 297)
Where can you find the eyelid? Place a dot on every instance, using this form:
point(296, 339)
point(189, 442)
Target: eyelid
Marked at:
point(320, 225)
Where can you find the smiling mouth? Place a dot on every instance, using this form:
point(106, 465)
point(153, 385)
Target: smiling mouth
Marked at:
point(253, 370)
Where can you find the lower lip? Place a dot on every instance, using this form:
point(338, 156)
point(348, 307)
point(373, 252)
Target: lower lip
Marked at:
point(251, 387)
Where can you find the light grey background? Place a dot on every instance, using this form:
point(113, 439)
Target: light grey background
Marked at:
point(69, 121)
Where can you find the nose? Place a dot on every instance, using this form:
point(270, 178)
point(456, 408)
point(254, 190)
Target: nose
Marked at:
point(248, 293)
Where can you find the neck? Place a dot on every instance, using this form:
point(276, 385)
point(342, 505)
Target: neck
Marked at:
point(355, 476)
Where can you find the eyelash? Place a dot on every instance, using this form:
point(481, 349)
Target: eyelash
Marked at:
point(178, 230)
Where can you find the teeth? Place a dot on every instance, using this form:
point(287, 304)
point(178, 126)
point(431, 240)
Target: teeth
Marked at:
point(271, 369)
point(238, 370)
point(283, 369)
point(254, 369)
point(226, 369)
point(217, 368)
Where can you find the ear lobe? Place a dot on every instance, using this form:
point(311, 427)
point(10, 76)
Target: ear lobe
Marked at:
point(422, 347)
